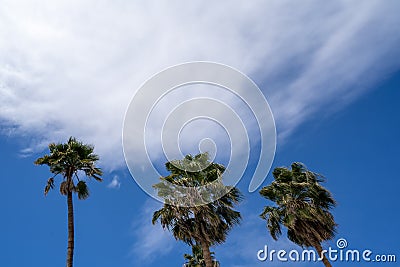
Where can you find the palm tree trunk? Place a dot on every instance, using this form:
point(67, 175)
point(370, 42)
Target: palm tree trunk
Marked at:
point(318, 248)
point(206, 254)
point(70, 249)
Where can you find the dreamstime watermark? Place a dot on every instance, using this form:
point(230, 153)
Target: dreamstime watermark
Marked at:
point(167, 104)
point(340, 253)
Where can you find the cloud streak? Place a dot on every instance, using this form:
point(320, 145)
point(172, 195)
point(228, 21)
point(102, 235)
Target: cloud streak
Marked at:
point(71, 68)
point(115, 183)
point(151, 240)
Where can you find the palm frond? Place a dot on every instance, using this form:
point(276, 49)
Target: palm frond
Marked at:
point(302, 206)
point(49, 185)
point(208, 223)
point(82, 190)
point(69, 159)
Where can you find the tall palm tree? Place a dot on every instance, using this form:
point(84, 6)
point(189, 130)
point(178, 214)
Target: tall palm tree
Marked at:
point(206, 224)
point(197, 259)
point(69, 160)
point(302, 206)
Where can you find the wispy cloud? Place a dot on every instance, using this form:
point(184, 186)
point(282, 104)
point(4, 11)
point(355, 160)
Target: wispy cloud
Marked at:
point(151, 241)
point(71, 67)
point(115, 182)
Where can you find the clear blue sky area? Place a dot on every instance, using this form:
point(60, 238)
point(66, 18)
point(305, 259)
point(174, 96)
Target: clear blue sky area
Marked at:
point(357, 149)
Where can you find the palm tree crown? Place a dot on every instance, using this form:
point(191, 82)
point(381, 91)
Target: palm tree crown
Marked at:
point(68, 160)
point(206, 224)
point(302, 206)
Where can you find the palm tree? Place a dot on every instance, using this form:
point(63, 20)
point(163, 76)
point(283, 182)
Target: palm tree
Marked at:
point(69, 160)
point(197, 259)
point(206, 224)
point(302, 206)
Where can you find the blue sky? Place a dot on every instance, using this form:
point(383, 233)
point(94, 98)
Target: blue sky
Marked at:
point(329, 71)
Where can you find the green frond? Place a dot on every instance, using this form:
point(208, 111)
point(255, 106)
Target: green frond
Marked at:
point(82, 190)
point(156, 216)
point(208, 223)
point(274, 220)
point(197, 258)
point(49, 185)
point(302, 206)
point(69, 159)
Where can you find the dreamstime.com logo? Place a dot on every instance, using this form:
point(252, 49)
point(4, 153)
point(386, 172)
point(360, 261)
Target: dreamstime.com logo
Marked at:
point(171, 103)
point(340, 253)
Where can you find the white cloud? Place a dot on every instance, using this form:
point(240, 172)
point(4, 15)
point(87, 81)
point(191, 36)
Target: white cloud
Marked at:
point(152, 242)
point(115, 183)
point(71, 67)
